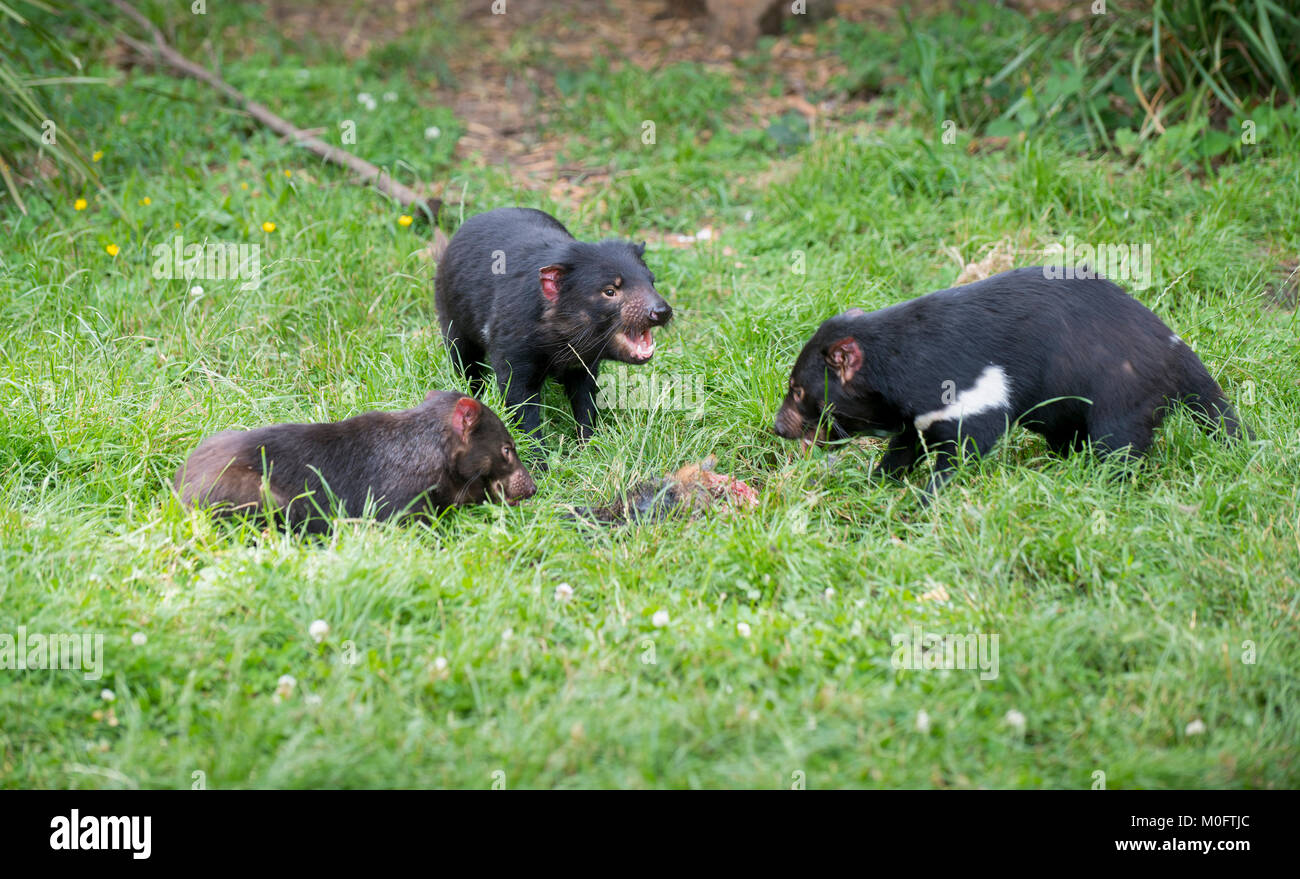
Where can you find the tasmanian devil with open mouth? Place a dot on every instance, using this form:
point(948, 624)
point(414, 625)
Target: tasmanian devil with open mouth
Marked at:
point(516, 292)
point(1078, 361)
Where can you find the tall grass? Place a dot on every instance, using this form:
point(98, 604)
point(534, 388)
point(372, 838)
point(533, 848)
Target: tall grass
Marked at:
point(1182, 54)
point(1107, 80)
point(28, 50)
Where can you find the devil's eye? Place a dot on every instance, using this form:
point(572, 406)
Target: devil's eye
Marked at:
point(506, 452)
point(798, 394)
point(609, 292)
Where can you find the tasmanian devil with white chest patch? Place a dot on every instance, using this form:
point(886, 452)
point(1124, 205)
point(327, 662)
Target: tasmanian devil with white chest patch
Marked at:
point(1076, 360)
point(448, 451)
point(516, 291)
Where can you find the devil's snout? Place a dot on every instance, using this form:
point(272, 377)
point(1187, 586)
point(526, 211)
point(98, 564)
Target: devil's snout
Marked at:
point(521, 486)
point(659, 311)
point(789, 423)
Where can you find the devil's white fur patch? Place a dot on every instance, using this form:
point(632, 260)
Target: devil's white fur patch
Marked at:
point(990, 391)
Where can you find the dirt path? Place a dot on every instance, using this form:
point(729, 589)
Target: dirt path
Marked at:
point(505, 78)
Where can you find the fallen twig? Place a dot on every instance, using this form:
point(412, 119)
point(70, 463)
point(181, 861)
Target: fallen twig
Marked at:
point(379, 178)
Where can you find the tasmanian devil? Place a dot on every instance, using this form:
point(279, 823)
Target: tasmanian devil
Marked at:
point(1076, 360)
point(516, 291)
point(449, 450)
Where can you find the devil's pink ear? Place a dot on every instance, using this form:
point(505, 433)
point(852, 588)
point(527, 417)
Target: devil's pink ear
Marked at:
point(845, 357)
point(465, 416)
point(550, 277)
point(429, 396)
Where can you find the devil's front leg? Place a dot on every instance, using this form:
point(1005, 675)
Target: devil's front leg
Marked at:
point(581, 387)
point(949, 439)
point(521, 386)
point(901, 454)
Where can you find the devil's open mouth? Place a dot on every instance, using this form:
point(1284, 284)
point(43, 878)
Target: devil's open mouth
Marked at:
point(638, 348)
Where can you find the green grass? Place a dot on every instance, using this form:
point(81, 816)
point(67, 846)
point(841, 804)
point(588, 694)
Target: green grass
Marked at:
point(1121, 604)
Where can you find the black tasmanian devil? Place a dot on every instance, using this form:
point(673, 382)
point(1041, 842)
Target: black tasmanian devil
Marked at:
point(447, 451)
point(516, 291)
point(1077, 360)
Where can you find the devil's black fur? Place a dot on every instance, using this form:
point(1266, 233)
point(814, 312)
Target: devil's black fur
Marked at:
point(516, 291)
point(1077, 360)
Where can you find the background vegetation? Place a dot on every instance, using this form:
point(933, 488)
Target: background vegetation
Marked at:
point(1147, 626)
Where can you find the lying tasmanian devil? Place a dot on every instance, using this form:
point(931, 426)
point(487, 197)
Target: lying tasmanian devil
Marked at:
point(517, 291)
point(1075, 360)
point(449, 450)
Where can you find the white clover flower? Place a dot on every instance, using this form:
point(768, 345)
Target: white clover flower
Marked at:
point(923, 722)
point(108, 695)
point(139, 639)
point(1196, 727)
point(318, 630)
point(660, 619)
point(1015, 720)
point(743, 629)
point(313, 699)
point(829, 593)
point(433, 132)
point(196, 291)
point(389, 97)
point(507, 634)
point(563, 592)
point(284, 686)
point(704, 234)
point(440, 664)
